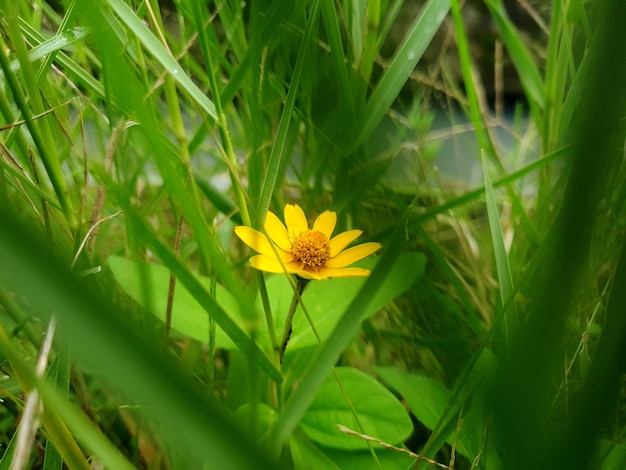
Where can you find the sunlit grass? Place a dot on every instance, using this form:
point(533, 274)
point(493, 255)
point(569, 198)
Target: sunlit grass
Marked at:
point(135, 136)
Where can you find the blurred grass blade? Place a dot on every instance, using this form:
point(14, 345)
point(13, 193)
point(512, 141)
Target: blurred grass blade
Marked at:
point(503, 268)
point(42, 137)
point(402, 65)
point(188, 417)
point(525, 386)
point(56, 428)
point(7, 456)
point(154, 46)
point(60, 373)
point(276, 12)
point(331, 23)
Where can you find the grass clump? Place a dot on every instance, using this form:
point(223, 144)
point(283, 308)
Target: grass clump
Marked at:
point(135, 331)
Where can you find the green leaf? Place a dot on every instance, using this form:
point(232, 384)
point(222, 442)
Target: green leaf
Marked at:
point(256, 419)
point(380, 413)
point(426, 397)
point(362, 460)
point(306, 456)
point(428, 401)
point(188, 316)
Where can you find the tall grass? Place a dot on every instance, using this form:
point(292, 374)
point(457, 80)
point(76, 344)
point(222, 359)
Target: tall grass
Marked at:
point(136, 135)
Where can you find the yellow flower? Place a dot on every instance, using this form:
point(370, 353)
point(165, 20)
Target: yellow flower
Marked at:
point(309, 253)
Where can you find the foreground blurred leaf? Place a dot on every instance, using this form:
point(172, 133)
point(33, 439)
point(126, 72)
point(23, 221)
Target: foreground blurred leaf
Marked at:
point(189, 418)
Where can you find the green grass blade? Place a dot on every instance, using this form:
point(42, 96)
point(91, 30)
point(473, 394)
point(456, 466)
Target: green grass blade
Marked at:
point(70, 66)
point(331, 23)
point(503, 268)
point(278, 149)
point(60, 373)
point(475, 110)
point(402, 65)
point(417, 219)
point(525, 66)
point(54, 44)
point(270, 21)
point(42, 136)
point(9, 451)
point(154, 46)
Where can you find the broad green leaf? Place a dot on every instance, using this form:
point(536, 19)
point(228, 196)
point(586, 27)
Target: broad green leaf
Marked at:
point(188, 316)
point(426, 397)
point(307, 456)
point(362, 460)
point(428, 401)
point(257, 420)
point(380, 413)
point(326, 301)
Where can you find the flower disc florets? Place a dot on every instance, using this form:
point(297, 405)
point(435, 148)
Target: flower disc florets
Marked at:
point(311, 248)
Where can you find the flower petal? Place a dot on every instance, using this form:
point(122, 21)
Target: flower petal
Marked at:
point(260, 243)
point(352, 255)
point(342, 240)
point(277, 231)
point(325, 223)
point(295, 220)
point(314, 275)
point(344, 272)
point(271, 265)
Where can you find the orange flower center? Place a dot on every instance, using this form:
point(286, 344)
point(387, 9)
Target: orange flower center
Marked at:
point(311, 248)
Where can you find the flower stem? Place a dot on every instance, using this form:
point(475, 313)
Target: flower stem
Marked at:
point(301, 283)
